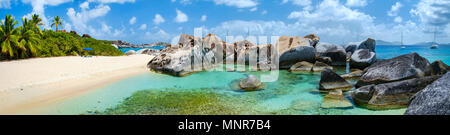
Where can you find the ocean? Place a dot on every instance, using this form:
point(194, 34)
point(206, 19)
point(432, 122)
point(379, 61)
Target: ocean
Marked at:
point(291, 94)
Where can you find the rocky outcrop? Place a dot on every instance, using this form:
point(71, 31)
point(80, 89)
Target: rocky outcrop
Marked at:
point(433, 100)
point(362, 58)
point(390, 95)
point(355, 74)
point(147, 51)
point(326, 60)
point(336, 100)
point(86, 36)
point(314, 39)
point(329, 80)
point(250, 83)
point(335, 52)
point(396, 69)
point(436, 68)
point(302, 67)
point(367, 44)
point(293, 50)
point(320, 66)
point(131, 52)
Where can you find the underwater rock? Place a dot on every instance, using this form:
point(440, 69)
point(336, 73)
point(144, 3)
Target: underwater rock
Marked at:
point(329, 80)
point(433, 100)
point(130, 52)
point(362, 58)
point(319, 66)
point(396, 69)
point(302, 66)
point(336, 100)
point(335, 52)
point(250, 83)
point(436, 68)
point(355, 74)
point(390, 95)
point(293, 50)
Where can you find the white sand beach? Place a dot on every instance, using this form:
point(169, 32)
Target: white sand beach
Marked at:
point(36, 82)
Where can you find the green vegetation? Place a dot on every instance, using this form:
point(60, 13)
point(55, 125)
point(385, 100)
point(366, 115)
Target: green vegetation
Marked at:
point(28, 41)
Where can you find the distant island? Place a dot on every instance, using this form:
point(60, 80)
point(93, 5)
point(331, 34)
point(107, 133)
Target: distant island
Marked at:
point(382, 42)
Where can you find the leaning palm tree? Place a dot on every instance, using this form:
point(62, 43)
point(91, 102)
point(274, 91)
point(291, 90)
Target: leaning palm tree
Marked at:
point(29, 39)
point(38, 22)
point(9, 37)
point(57, 22)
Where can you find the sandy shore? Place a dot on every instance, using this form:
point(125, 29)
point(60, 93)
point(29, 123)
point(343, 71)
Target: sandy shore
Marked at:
point(31, 83)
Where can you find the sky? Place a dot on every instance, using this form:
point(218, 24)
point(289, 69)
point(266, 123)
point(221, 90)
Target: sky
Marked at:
point(335, 21)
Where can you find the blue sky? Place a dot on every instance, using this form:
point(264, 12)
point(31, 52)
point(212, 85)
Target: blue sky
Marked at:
point(335, 21)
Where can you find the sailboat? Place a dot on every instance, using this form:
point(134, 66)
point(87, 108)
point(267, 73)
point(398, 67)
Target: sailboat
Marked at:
point(434, 45)
point(403, 46)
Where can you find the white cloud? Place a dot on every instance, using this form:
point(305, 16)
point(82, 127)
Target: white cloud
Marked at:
point(237, 3)
point(181, 17)
point(133, 20)
point(112, 1)
point(143, 27)
point(5, 4)
point(158, 19)
point(264, 12)
point(394, 9)
point(398, 19)
point(84, 5)
point(306, 4)
point(356, 3)
point(433, 12)
point(253, 9)
point(204, 17)
point(39, 8)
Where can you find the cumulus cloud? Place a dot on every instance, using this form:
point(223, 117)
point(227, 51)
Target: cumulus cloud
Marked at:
point(394, 9)
point(433, 12)
point(181, 17)
point(237, 3)
point(84, 5)
point(158, 19)
point(203, 18)
point(143, 27)
point(133, 20)
point(356, 3)
point(39, 8)
point(112, 1)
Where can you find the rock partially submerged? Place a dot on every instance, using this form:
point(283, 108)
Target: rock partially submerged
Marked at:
point(336, 100)
point(250, 83)
point(362, 58)
point(335, 52)
point(396, 69)
point(302, 67)
point(433, 100)
point(329, 80)
point(320, 66)
point(437, 68)
point(390, 95)
point(355, 74)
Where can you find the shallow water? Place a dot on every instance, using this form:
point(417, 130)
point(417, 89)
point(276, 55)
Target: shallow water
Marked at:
point(292, 93)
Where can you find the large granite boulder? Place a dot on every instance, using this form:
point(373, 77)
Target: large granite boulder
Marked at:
point(302, 67)
point(320, 66)
point(294, 49)
point(433, 100)
point(329, 80)
point(396, 69)
point(314, 39)
point(336, 100)
point(335, 52)
point(362, 58)
point(250, 83)
point(437, 68)
point(366, 44)
point(390, 95)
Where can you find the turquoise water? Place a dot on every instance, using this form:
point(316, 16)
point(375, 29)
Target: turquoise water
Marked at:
point(124, 50)
point(292, 93)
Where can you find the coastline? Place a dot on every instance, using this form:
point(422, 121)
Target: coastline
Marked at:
point(62, 78)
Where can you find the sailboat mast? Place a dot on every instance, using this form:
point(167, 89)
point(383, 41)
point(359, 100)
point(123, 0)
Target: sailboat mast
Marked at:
point(434, 40)
point(402, 38)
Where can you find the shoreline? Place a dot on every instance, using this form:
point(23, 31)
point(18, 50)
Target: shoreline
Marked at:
point(26, 97)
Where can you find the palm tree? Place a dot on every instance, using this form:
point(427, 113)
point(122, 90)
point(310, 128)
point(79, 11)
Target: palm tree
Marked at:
point(29, 39)
point(57, 21)
point(38, 22)
point(9, 37)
